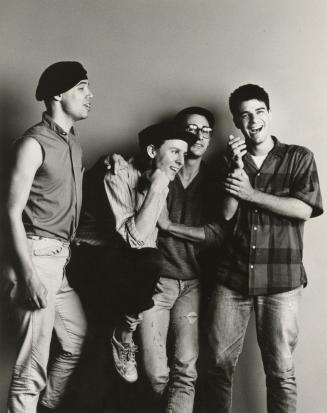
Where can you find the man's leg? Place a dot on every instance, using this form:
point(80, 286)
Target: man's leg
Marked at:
point(229, 314)
point(277, 331)
point(184, 325)
point(153, 336)
point(135, 281)
point(70, 327)
point(35, 329)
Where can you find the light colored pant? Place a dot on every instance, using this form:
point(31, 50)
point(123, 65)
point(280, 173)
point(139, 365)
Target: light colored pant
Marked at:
point(174, 316)
point(277, 333)
point(64, 314)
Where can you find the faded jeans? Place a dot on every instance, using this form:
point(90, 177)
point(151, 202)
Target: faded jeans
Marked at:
point(64, 314)
point(276, 318)
point(174, 317)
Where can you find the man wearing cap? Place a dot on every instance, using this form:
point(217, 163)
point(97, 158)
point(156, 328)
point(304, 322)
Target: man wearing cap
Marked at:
point(42, 210)
point(128, 262)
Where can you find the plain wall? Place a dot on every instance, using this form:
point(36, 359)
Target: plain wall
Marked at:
point(146, 60)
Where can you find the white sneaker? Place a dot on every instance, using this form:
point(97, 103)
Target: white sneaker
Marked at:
point(124, 359)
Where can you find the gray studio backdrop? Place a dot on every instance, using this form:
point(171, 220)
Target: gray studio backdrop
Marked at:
point(149, 58)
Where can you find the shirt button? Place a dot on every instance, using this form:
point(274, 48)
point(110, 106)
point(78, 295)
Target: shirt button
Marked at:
point(251, 266)
point(253, 247)
point(258, 174)
point(255, 228)
point(255, 211)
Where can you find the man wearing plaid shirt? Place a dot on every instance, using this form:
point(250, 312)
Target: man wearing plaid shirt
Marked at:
point(271, 189)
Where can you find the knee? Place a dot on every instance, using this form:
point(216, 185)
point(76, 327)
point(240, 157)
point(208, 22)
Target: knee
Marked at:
point(185, 372)
point(73, 346)
point(158, 379)
point(32, 381)
point(278, 367)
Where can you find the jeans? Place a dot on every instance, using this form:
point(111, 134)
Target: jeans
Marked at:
point(277, 333)
point(174, 316)
point(64, 314)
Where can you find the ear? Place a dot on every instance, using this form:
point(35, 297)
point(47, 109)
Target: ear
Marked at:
point(151, 151)
point(58, 98)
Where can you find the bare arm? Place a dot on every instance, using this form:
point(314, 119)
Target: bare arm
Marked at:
point(239, 186)
point(28, 160)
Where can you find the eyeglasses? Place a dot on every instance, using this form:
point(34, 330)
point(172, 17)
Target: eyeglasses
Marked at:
point(205, 130)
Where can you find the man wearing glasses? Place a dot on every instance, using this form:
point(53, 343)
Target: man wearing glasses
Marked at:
point(192, 202)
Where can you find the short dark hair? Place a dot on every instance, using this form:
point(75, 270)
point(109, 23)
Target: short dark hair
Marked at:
point(247, 92)
point(194, 110)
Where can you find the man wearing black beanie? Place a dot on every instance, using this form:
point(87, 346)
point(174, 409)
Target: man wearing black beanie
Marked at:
point(42, 211)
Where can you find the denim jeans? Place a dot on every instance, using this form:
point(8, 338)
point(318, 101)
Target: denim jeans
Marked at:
point(174, 317)
point(277, 333)
point(64, 314)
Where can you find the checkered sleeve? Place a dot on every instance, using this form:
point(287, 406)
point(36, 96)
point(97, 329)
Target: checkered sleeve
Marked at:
point(305, 184)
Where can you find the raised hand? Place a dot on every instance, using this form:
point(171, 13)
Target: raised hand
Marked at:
point(159, 180)
point(236, 149)
point(115, 163)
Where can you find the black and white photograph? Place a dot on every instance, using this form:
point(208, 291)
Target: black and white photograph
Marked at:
point(162, 195)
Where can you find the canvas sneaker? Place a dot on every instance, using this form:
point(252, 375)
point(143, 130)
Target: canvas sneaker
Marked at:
point(124, 359)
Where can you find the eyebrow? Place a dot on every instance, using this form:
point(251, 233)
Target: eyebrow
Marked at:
point(248, 111)
point(83, 82)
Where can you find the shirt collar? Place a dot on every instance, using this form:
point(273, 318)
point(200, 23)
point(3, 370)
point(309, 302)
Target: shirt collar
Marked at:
point(279, 148)
point(277, 151)
point(46, 118)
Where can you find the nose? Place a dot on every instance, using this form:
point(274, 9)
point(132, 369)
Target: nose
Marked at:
point(180, 160)
point(253, 117)
point(90, 94)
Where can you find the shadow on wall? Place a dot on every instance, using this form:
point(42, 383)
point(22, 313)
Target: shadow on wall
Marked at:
point(11, 109)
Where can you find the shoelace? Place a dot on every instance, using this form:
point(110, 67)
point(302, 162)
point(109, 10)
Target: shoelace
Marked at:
point(130, 352)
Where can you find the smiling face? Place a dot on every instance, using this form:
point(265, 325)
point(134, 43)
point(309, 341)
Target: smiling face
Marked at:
point(169, 157)
point(76, 102)
point(253, 120)
point(200, 146)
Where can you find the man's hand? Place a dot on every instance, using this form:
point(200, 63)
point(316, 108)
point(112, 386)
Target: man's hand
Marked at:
point(159, 181)
point(236, 149)
point(238, 184)
point(131, 322)
point(164, 221)
point(115, 163)
point(34, 293)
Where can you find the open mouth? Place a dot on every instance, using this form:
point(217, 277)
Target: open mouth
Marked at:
point(256, 130)
point(88, 106)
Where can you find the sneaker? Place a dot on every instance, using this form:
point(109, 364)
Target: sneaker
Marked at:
point(124, 359)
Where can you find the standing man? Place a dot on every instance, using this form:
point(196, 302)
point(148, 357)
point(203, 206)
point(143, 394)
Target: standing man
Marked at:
point(169, 331)
point(271, 189)
point(43, 209)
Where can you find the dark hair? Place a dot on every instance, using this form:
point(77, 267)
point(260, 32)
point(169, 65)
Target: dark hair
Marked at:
point(194, 110)
point(158, 133)
point(247, 92)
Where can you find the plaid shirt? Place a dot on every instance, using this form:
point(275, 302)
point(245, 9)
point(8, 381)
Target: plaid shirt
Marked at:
point(263, 252)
